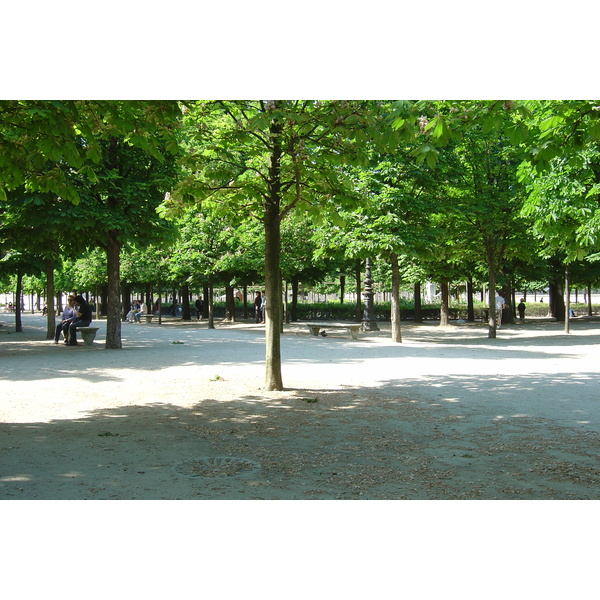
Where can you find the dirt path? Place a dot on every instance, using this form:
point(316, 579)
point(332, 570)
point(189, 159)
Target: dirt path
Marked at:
point(447, 414)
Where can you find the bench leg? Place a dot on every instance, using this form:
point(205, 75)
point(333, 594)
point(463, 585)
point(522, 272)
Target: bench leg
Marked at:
point(314, 330)
point(354, 333)
point(88, 337)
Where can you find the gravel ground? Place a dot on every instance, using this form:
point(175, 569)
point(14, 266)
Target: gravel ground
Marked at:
point(447, 414)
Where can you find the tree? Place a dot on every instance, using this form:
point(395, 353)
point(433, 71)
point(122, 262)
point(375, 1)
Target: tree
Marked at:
point(267, 159)
point(119, 207)
point(486, 199)
point(53, 147)
point(563, 207)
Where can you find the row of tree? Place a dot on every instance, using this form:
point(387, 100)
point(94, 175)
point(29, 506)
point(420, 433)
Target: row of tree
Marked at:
point(477, 191)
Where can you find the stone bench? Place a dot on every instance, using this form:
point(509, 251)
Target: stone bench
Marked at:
point(316, 328)
point(88, 334)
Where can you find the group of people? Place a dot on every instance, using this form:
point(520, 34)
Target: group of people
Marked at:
point(260, 306)
point(138, 309)
point(77, 313)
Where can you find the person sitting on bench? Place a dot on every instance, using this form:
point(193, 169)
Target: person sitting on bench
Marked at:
point(67, 317)
point(83, 318)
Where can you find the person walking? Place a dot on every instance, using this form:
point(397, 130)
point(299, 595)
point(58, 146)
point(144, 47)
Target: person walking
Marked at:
point(521, 309)
point(257, 307)
point(500, 304)
point(263, 307)
point(199, 307)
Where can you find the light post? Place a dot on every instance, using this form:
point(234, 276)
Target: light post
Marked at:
point(368, 320)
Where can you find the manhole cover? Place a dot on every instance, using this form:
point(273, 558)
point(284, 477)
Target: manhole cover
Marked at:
point(220, 466)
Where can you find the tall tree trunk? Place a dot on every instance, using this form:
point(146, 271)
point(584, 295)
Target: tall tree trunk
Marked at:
point(18, 303)
point(556, 300)
point(508, 316)
point(470, 308)
point(589, 299)
point(417, 302)
point(126, 300)
point(492, 303)
point(358, 292)
point(104, 300)
point(396, 329)
point(286, 311)
point(50, 316)
point(210, 303)
point(207, 294)
point(295, 285)
point(445, 308)
point(272, 225)
point(186, 314)
point(245, 301)
point(568, 303)
point(491, 262)
point(229, 304)
point(113, 310)
point(342, 288)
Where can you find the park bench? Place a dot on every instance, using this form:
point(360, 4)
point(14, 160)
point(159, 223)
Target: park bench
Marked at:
point(316, 328)
point(88, 334)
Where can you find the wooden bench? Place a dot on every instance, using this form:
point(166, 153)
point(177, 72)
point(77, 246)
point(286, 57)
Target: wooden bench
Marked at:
point(353, 328)
point(88, 334)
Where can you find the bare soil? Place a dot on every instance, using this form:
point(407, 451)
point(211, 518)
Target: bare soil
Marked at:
point(180, 413)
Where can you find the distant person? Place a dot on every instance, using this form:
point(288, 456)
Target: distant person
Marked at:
point(263, 307)
point(521, 309)
point(68, 315)
point(141, 312)
point(500, 304)
point(174, 308)
point(199, 307)
point(83, 318)
point(257, 307)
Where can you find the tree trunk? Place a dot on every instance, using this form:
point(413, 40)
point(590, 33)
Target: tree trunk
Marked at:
point(18, 303)
point(104, 300)
point(492, 322)
point(508, 316)
point(342, 288)
point(589, 299)
point(207, 293)
point(186, 314)
point(568, 304)
point(417, 302)
point(358, 292)
point(50, 316)
point(113, 309)
point(470, 309)
point(295, 285)
point(245, 301)
point(445, 308)
point(286, 311)
point(272, 225)
point(229, 304)
point(556, 300)
point(210, 304)
point(126, 300)
point(492, 304)
point(396, 329)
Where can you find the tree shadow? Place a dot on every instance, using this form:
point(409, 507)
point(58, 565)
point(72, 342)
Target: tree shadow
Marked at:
point(353, 443)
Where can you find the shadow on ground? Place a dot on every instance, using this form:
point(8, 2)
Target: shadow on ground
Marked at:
point(322, 444)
